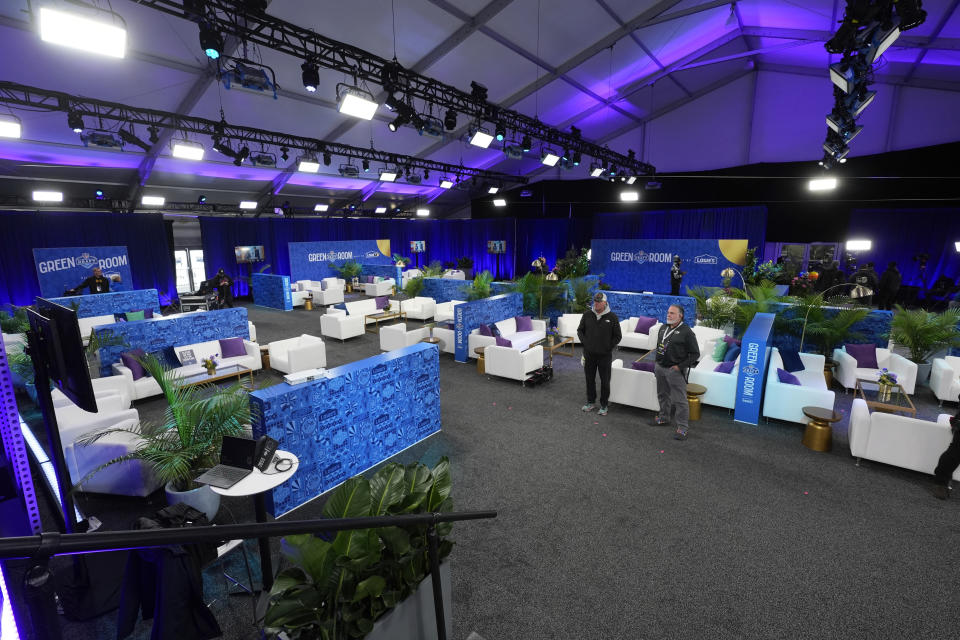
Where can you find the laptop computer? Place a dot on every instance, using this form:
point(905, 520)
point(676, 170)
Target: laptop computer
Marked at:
point(236, 463)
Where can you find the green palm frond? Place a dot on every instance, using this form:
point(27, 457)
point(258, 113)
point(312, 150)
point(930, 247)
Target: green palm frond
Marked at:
point(924, 333)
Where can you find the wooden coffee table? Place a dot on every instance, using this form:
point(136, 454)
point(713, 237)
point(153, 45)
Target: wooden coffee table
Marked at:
point(557, 350)
point(223, 373)
point(898, 402)
point(384, 315)
point(818, 436)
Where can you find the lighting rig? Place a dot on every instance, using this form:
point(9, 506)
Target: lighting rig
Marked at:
point(254, 26)
point(868, 29)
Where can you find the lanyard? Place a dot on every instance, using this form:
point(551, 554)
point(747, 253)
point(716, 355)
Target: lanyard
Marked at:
point(670, 331)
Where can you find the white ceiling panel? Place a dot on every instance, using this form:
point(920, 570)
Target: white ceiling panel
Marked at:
point(484, 60)
point(926, 117)
point(810, 14)
point(790, 118)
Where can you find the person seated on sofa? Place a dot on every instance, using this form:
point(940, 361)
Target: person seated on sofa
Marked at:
point(949, 461)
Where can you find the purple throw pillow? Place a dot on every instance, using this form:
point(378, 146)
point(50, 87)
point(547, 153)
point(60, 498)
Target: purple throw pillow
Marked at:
point(725, 367)
point(730, 340)
point(130, 361)
point(232, 348)
point(503, 342)
point(787, 378)
point(381, 302)
point(147, 313)
point(524, 323)
point(642, 365)
point(485, 331)
point(644, 324)
point(864, 354)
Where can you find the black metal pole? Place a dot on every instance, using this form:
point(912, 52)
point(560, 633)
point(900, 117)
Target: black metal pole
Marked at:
point(433, 548)
point(266, 562)
point(38, 594)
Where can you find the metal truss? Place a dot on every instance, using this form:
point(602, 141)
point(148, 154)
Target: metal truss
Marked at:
point(256, 27)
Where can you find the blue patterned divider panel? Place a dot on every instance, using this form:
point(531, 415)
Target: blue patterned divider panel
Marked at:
point(626, 304)
point(272, 291)
point(379, 270)
point(444, 289)
point(361, 414)
point(103, 304)
point(158, 333)
point(470, 315)
point(875, 328)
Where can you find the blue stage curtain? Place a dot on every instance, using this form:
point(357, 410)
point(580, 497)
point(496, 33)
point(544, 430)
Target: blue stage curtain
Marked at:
point(547, 237)
point(900, 234)
point(720, 223)
point(143, 234)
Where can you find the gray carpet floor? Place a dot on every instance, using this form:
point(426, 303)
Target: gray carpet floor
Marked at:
point(609, 528)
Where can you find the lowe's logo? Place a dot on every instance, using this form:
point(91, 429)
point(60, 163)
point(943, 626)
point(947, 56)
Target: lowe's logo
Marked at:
point(373, 254)
point(705, 259)
point(86, 260)
point(750, 370)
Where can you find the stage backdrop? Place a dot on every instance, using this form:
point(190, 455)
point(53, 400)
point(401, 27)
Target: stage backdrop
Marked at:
point(62, 268)
point(310, 260)
point(644, 265)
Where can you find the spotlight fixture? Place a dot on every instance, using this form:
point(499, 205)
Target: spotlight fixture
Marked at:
point(349, 170)
point(860, 102)
point(388, 175)
point(321, 207)
point(223, 148)
point(859, 245)
point(500, 132)
point(423, 213)
point(426, 174)
point(380, 210)
point(284, 153)
point(310, 76)
point(478, 91)
point(450, 120)
point(525, 144)
point(822, 184)
point(48, 196)
point(596, 170)
point(75, 122)
point(956, 245)
point(631, 179)
point(326, 158)
point(188, 150)
point(153, 201)
point(100, 138)
point(366, 165)
point(211, 41)
point(499, 202)
point(576, 158)
point(843, 75)
point(154, 134)
point(399, 121)
point(414, 178)
point(481, 138)
point(308, 164)
point(248, 204)
point(493, 190)
point(130, 138)
point(911, 15)
point(99, 195)
point(10, 127)
point(549, 157)
point(354, 101)
point(446, 183)
point(202, 199)
point(629, 196)
point(241, 155)
point(847, 129)
point(263, 159)
point(78, 32)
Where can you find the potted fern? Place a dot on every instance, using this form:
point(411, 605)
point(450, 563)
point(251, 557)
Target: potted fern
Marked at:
point(923, 334)
point(347, 271)
point(480, 286)
point(414, 287)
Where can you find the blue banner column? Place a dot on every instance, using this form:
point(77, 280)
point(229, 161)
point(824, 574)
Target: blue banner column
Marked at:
point(753, 368)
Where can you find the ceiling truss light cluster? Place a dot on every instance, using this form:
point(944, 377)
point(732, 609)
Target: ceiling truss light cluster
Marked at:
point(187, 150)
point(310, 74)
point(308, 164)
point(10, 127)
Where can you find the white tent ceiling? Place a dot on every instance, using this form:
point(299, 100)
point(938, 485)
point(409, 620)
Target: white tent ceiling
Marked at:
point(689, 85)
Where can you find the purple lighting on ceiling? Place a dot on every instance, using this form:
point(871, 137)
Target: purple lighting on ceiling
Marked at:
point(40, 153)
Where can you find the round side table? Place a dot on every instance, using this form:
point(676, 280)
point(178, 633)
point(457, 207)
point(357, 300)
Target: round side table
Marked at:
point(818, 436)
point(481, 364)
point(694, 391)
point(265, 357)
point(308, 304)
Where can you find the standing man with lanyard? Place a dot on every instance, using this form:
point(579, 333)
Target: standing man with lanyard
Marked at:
point(96, 283)
point(677, 351)
point(676, 276)
point(599, 333)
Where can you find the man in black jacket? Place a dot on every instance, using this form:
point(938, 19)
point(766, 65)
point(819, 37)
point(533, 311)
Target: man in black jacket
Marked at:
point(224, 283)
point(677, 351)
point(95, 283)
point(599, 333)
point(948, 462)
point(676, 276)
point(889, 286)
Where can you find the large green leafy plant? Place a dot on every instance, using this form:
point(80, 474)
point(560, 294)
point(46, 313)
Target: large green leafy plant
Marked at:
point(188, 439)
point(348, 270)
point(480, 286)
point(538, 292)
point(829, 329)
point(579, 300)
point(15, 320)
point(572, 265)
point(925, 333)
point(413, 287)
point(336, 590)
point(433, 270)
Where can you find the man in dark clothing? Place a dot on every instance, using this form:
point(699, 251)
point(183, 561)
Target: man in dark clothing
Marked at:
point(677, 351)
point(96, 283)
point(676, 276)
point(948, 463)
point(223, 283)
point(599, 333)
point(889, 285)
point(829, 276)
point(866, 284)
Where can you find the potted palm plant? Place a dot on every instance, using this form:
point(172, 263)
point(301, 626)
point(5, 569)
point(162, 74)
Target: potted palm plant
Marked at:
point(347, 271)
point(480, 286)
point(413, 287)
point(465, 264)
point(924, 333)
point(187, 441)
point(829, 329)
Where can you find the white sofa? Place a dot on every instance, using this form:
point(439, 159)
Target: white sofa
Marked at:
point(419, 308)
point(443, 312)
point(847, 371)
point(567, 325)
point(409, 275)
point(87, 325)
point(366, 307)
point(396, 336)
point(945, 378)
point(338, 324)
point(510, 362)
point(633, 340)
point(382, 287)
point(721, 387)
point(508, 330)
point(633, 387)
point(299, 297)
point(297, 354)
point(706, 337)
point(786, 401)
point(904, 442)
point(454, 274)
point(147, 387)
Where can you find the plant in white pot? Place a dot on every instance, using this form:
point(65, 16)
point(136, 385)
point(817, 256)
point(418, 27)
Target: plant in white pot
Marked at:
point(341, 589)
point(924, 333)
point(188, 440)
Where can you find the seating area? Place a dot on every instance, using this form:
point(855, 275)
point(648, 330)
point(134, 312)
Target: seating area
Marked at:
point(785, 400)
point(866, 360)
point(639, 333)
point(297, 354)
point(519, 332)
point(512, 363)
point(945, 379)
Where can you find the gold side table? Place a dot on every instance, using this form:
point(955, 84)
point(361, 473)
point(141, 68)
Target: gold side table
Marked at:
point(481, 364)
point(308, 304)
point(694, 391)
point(818, 436)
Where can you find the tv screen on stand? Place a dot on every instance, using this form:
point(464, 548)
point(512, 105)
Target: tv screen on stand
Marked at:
point(496, 246)
point(62, 349)
point(418, 246)
point(249, 253)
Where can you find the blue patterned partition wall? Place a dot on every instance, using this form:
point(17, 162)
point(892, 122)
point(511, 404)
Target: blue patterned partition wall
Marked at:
point(875, 328)
point(272, 291)
point(626, 304)
point(361, 414)
point(444, 289)
point(190, 328)
point(470, 315)
point(381, 270)
point(103, 304)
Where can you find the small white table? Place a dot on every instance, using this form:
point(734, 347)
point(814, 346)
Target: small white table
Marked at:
point(254, 485)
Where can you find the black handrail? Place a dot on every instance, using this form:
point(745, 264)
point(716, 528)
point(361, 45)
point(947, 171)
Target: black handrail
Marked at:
point(46, 545)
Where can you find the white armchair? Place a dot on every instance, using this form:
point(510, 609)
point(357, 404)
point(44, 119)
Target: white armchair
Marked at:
point(328, 296)
point(721, 387)
point(299, 297)
point(443, 312)
point(898, 440)
point(786, 401)
point(297, 354)
point(341, 325)
point(567, 326)
point(419, 308)
point(381, 288)
point(447, 339)
point(508, 362)
point(396, 336)
point(633, 387)
point(633, 340)
point(847, 370)
point(945, 378)
point(335, 283)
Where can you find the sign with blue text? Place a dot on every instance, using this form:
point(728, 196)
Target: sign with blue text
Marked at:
point(644, 265)
point(62, 268)
point(311, 260)
point(752, 371)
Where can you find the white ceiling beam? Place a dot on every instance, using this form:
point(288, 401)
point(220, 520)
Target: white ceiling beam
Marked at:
point(816, 35)
point(933, 37)
point(918, 83)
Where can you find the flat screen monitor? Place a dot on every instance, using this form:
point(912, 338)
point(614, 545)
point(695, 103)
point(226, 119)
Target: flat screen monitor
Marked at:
point(418, 246)
point(496, 246)
point(62, 349)
point(249, 253)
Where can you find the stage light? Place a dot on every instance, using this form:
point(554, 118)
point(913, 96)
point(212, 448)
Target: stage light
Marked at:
point(481, 138)
point(129, 137)
point(450, 120)
point(500, 132)
point(10, 127)
point(99, 194)
point(860, 102)
point(211, 41)
point(847, 129)
point(366, 165)
point(843, 76)
point(426, 174)
point(380, 210)
point(386, 175)
point(241, 155)
point(859, 245)
point(310, 76)
point(836, 150)
point(446, 183)
point(576, 158)
point(911, 15)
point(202, 199)
point(399, 121)
point(74, 31)
point(248, 204)
point(100, 138)
point(423, 213)
point(631, 179)
point(188, 150)
point(525, 144)
point(478, 91)
point(321, 207)
point(354, 101)
point(154, 134)
point(822, 184)
point(596, 170)
point(326, 158)
point(629, 196)
point(284, 153)
point(308, 164)
point(956, 245)
point(493, 190)
point(881, 42)
point(153, 201)
point(549, 158)
point(499, 202)
point(75, 122)
point(48, 196)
